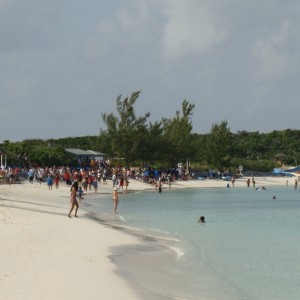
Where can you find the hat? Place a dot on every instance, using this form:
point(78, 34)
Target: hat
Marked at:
point(115, 188)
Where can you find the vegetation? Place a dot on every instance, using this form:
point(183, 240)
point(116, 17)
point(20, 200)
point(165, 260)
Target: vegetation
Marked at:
point(134, 141)
point(219, 146)
point(177, 136)
point(125, 133)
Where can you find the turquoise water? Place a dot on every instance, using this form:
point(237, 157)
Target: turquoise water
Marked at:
point(249, 247)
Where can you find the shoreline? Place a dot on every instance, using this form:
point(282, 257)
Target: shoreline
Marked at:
point(45, 254)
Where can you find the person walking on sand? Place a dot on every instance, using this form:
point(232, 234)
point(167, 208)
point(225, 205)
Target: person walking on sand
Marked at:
point(49, 181)
point(104, 177)
point(74, 202)
point(115, 198)
point(56, 181)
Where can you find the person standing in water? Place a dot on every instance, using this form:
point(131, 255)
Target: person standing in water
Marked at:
point(115, 198)
point(74, 202)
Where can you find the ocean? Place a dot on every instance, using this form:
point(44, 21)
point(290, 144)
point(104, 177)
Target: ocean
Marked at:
point(248, 248)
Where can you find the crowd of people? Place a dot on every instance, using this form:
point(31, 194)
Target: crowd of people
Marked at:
point(10, 175)
point(55, 175)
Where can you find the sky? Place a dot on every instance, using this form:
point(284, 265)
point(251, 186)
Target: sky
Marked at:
point(64, 62)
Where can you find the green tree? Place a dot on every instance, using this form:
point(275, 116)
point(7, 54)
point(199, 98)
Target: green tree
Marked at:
point(152, 144)
point(49, 156)
point(177, 133)
point(219, 145)
point(17, 153)
point(200, 144)
point(123, 136)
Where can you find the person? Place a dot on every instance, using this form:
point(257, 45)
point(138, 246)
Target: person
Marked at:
point(84, 184)
point(40, 175)
point(67, 178)
point(169, 179)
point(121, 182)
point(159, 184)
point(74, 202)
point(201, 219)
point(260, 189)
point(159, 187)
point(232, 181)
point(248, 182)
point(104, 177)
point(30, 175)
point(114, 180)
point(49, 181)
point(95, 184)
point(274, 197)
point(89, 182)
point(115, 198)
point(126, 182)
point(56, 181)
point(80, 192)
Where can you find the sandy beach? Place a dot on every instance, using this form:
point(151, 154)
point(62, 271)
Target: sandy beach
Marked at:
point(46, 255)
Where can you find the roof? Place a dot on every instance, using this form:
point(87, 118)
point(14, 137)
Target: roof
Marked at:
point(81, 152)
point(295, 169)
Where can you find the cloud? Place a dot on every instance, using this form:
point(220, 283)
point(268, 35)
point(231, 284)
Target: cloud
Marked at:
point(173, 27)
point(191, 29)
point(225, 57)
point(26, 25)
point(275, 54)
point(131, 27)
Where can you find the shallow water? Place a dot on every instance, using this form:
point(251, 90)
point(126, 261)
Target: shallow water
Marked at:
point(247, 249)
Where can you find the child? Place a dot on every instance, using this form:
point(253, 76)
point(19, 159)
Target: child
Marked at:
point(80, 192)
point(49, 181)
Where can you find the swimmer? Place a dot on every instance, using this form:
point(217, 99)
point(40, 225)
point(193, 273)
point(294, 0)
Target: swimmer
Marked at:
point(201, 219)
point(274, 197)
point(260, 189)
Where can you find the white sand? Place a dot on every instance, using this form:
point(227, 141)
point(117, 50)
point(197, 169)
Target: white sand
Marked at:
point(46, 255)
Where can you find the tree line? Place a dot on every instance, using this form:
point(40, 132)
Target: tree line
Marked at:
point(131, 140)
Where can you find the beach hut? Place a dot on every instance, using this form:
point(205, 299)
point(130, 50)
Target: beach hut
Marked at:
point(3, 157)
point(86, 157)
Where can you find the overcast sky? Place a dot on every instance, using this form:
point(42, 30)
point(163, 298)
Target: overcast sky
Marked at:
point(64, 62)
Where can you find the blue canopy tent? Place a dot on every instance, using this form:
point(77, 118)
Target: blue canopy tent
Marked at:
point(296, 169)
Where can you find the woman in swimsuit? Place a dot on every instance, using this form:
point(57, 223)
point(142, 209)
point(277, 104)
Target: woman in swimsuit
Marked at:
point(74, 201)
point(115, 197)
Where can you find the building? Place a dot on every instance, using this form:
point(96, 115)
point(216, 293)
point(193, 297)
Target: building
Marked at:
point(86, 157)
